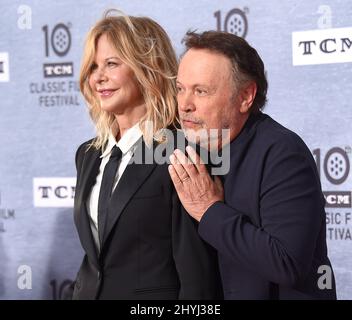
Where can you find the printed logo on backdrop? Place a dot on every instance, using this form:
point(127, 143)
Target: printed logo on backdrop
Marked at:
point(54, 192)
point(334, 171)
point(4, 67)
point(58, 87)
point(234, 21)
point(325, 17)
point(5, 215)
point(24, 21)
point(322, 46)
point(59, 41)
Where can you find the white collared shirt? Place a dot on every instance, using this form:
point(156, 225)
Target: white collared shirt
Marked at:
point(127, 145)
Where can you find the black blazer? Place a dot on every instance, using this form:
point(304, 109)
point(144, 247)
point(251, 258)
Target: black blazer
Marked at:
point(151, 248)
point(272, 224)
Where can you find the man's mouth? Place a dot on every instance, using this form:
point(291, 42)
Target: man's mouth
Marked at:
point(187, 123)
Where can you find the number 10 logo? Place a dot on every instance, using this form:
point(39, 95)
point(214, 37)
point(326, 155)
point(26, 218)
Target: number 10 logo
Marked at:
point(60, 39)
point(235, 22)
point(336, 164)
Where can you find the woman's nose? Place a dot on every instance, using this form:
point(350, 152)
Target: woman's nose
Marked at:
point(99, 75)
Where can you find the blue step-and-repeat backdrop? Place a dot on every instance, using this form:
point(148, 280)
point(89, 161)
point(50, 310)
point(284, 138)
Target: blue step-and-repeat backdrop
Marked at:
point(307, 50)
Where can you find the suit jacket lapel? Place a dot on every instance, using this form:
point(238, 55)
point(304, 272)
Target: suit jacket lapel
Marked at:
point(133, 177)
point(89, 172)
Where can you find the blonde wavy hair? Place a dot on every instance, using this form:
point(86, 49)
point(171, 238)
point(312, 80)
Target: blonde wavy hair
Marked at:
point(145, 47)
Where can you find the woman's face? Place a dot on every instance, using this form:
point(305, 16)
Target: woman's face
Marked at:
point(112, 81)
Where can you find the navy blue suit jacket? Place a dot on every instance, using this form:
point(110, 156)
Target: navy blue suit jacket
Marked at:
point(270, 231)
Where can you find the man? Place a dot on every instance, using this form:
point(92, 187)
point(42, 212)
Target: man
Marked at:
point(267, 222)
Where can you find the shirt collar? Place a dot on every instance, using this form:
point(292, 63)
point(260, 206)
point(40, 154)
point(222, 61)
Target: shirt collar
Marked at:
point(126, 143)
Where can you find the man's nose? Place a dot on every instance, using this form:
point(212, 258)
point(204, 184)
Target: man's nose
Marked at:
point(186, 102)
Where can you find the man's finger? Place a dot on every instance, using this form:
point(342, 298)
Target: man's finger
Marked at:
point(181, 157)
point(175, 178)
point(187, 166)
point(179, 169)
point(196, 159)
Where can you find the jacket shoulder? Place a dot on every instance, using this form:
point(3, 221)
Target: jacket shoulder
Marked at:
point(274, 135)
point(81, 150)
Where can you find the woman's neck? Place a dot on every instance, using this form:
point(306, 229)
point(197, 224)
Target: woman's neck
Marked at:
point(129, 118)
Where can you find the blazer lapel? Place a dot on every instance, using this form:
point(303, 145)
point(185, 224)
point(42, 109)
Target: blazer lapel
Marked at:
point(89, 172)
point(133, 177)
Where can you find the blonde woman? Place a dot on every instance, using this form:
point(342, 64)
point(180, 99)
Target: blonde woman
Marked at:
point(138, 241)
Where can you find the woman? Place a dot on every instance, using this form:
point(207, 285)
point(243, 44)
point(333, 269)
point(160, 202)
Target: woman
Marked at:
point(139, 244)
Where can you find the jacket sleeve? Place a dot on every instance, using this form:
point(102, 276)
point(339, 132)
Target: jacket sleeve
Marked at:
point(196, 261)
point(70, 291)
point(291, 208)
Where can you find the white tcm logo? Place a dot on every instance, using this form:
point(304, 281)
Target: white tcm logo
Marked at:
point(322, 46)
point(54, 192)
point(4, 67)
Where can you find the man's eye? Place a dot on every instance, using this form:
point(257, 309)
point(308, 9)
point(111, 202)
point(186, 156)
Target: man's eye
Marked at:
point(179, 89)
point(201, 92)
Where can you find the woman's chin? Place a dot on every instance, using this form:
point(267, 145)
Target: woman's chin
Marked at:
point(109, 108)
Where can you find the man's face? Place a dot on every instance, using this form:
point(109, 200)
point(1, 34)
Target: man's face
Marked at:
point(207, 97)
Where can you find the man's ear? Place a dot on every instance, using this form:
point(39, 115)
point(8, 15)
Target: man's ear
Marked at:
point(248, 93)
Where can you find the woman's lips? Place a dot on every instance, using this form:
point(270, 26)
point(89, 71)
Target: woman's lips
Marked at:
point(106, 93)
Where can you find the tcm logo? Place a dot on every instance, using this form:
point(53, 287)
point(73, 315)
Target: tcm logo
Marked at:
point(57, 43)
point(54, 192)
point(322, 46)
point(4, 67)
point(58, 69)
point(337, 199)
